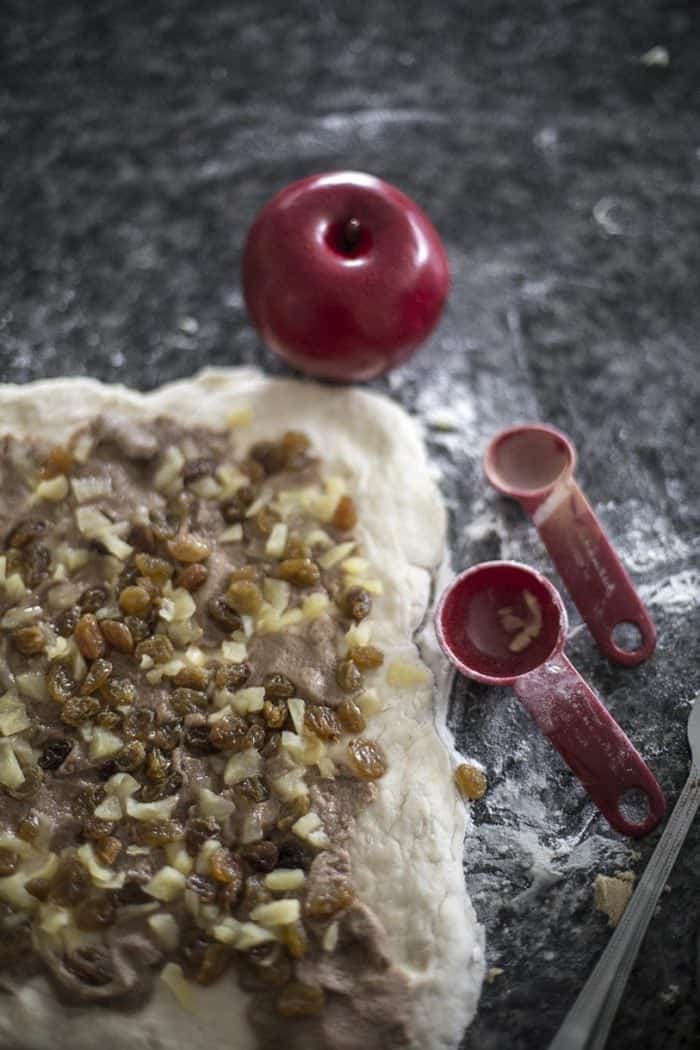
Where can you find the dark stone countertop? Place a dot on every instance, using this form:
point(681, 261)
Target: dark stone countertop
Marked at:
point(563, 171)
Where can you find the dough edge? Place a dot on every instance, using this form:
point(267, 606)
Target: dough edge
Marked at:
point(432, 926)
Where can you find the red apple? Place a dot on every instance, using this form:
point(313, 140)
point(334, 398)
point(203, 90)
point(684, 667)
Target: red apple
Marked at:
point(344, 275)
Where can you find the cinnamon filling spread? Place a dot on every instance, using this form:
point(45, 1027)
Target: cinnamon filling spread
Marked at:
point(185, 729)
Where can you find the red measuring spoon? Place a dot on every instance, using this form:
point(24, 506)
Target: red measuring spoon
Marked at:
point(505, 624)
point(535, 464)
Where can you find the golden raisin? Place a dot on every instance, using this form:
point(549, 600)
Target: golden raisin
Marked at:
point(367, 758)
point(232, 510)
point(223, 614)
point(148, 585)
point(92, 599)
point(295, 939)
point(37, 562)
point(229, 734)
point(118, 691)
point(272, 967)
point(59, 682)
point(25, 533)
point(192, 678)
point(302, 572)
point(58, 461)
point(300, 806)
point(158, 834)
point(224, 867)
point(139, 628)
point(94, 828)
point(245, 597)
point(275, 715)
point(164, 525)
point(131, 756)
point(256, 736)
point(79, 709)
point(295, 444)
point(367, 657)
point(108, 719)
point(157, 569)
point(265, 520)
point(215, 960)
point(38, 887)
point(246, 572)
point(272, 744)
point(278, 686)
point(357, 603)
point(344, 515)
point(108, 849)
point(66, 620)
point(300, 1000)
point(138, 723)
point(187, 701)
point(322, 721)
point(158, 765)
point(348, 676)
point(86, 800)
point(262, 856)
point(329, 895)
point(296, 548)
point(471, 781)
point(351, 717)
point(155, 790)
point(193, 576)
point(254, 789)
point(88, 637)
point(118, 635)
point(28, 827)
point(134, 600)
point(189, 548)
point(158, 647)
point(168, 736)
point(270, 455)
point(203, 886)
point(98, 673)
point(198, 830)
point(29, 640)
point(96, 913)
point(196, 738)
point(232, 676)
point(252, 469)
point(70, 884)
point(195, 469)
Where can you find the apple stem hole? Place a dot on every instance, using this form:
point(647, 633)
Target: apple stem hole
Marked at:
point(349, 238)
point(352, 234)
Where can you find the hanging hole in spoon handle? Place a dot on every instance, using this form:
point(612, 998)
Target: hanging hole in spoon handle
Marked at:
point(594, 575)
point(593, 745)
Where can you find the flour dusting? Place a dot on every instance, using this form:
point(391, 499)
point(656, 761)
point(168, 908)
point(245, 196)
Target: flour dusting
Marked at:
point(536, 841)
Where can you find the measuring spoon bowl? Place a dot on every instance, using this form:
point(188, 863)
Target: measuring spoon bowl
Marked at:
point(534, 464)
point(502, 623)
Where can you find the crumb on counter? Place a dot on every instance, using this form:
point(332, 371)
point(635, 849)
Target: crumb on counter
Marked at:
point(611, 894)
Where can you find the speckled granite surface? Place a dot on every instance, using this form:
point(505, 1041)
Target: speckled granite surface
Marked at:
point(137, 140)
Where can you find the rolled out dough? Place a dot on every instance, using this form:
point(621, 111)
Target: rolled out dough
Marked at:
point(407, 848)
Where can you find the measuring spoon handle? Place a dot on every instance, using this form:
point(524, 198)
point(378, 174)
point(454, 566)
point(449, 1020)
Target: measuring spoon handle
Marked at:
point(593, 573)
point(590, 741)
point(589, 1021)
